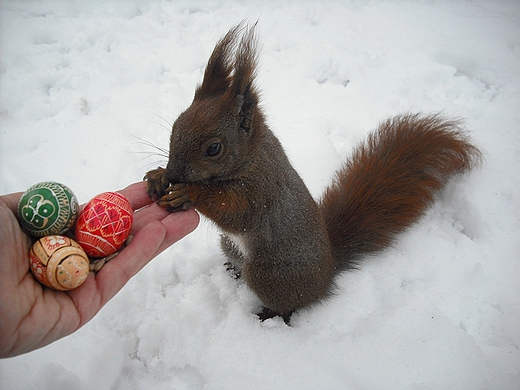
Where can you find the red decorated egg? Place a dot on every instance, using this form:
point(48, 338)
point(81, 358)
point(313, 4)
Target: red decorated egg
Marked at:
point(104, 224)
point(59, 262)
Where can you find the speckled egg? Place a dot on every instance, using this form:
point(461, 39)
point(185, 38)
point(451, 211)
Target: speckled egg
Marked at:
point(47, 208)
point(59, 262)
point(104, 224)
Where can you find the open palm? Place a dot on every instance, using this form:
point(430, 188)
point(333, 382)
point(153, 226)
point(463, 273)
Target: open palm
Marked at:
point(32, 316)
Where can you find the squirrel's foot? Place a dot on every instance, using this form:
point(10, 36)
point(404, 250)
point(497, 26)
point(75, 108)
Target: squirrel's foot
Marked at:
point(267, 313)
point(156, 183)
point(233, 270)
point(177, 198)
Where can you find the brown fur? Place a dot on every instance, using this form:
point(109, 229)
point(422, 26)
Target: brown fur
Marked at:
point(390, 180)
point(225, 161)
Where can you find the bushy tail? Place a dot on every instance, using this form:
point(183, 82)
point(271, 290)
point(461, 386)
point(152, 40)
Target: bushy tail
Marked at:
point(389, 182)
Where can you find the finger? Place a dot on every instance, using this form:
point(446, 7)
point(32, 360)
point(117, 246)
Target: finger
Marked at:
point(145, 215)
point(15, 245)
point(11, 201)
point(146, 210)
point(136, 195)
point(178, 225)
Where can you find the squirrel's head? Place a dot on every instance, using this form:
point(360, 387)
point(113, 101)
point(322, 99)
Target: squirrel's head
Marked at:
point(210, 141)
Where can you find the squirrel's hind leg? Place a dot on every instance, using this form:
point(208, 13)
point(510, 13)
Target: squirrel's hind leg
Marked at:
point(267, 313)
point(235, 262)
point(235, 265)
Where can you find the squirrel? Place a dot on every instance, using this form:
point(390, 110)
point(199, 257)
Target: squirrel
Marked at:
point(288, 248)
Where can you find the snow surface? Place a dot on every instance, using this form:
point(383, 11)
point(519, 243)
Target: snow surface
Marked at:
point(85, 85)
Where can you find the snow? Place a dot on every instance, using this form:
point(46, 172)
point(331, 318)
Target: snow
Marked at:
point(85, 85)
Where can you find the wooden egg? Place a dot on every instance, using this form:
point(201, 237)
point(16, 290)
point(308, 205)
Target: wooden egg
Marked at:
point(59, 262)
point(47, 208)
point(104, 224)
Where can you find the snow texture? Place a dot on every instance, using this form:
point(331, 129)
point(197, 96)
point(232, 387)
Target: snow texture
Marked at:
point(85, 86)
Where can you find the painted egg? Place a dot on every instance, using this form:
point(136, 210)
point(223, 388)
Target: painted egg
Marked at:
point(104, 224)
point(59, 262)
point(47, 208)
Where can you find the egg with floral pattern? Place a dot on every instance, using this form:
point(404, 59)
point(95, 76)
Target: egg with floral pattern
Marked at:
point(59, 262)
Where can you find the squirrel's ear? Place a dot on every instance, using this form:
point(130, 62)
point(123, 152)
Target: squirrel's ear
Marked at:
point(246, 104)
point(242, 90)
point(230, 73)
point(245, 63)
point(217, 76)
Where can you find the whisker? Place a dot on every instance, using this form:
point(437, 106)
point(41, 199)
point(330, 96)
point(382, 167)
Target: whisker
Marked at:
point(152, 145)
point(152, 164)
point(165, 121)
point(149, 154)
point(157, 151)
point(167, 128)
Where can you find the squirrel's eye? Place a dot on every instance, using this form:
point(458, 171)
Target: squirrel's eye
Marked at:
point(214, 149)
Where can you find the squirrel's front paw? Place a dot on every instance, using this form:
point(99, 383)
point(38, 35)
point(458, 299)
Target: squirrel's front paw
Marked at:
point(156, 183)
point(177, 198)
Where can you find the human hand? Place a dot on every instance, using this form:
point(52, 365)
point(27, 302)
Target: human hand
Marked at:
point(32, 315)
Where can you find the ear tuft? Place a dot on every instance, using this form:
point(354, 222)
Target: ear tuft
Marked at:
point(245, 63)
point(232, 65)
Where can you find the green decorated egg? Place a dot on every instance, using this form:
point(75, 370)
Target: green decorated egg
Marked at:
point(47, 208)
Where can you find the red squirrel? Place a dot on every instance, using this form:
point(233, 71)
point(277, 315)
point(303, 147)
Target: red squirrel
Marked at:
point(226, 162)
